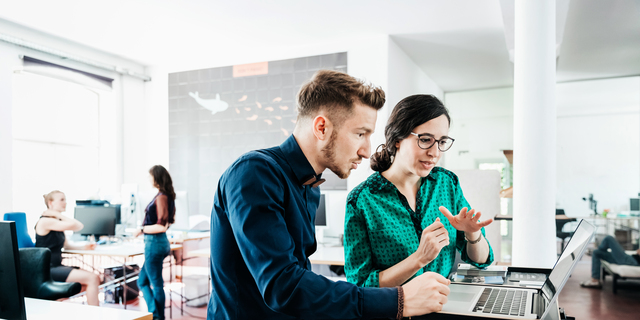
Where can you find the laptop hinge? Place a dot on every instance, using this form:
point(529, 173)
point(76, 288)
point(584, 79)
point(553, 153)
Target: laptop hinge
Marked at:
point(535, 304)
point(539, 304)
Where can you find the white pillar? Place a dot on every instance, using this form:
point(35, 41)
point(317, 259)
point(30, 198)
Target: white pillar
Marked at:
point(534, 150)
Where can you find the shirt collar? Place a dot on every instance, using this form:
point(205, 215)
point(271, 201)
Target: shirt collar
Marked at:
point(432, 174)
point(299, 163)
point(380, 182)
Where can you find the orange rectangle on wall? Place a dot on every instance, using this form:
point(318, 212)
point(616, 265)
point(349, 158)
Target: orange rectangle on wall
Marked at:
point(250, 69)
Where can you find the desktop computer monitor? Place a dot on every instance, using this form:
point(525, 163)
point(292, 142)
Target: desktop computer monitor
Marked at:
point(321, 213)
point(101, 203)
point(11, 292)
point(98, 221)
point(634, 205)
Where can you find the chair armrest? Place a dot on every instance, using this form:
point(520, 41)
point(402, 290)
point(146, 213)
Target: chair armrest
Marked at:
point(54, 290)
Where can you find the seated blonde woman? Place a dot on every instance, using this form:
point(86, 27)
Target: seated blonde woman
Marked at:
point(50, 234)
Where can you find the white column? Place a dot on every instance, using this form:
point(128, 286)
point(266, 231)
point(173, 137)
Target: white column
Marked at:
point(534, 150)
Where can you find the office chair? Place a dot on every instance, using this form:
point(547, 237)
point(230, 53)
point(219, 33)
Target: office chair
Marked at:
point(559, 225)
point(24, 240)
point(36, 276)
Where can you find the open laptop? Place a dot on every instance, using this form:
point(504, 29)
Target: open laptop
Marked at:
point(499, 302)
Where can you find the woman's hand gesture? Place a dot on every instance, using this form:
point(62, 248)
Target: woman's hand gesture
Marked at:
point(467, 221)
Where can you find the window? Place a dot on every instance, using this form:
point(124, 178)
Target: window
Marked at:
point(56, 142)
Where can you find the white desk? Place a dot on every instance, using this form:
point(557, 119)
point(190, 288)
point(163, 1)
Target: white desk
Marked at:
point(46, 310)
point(328, 255)
point(125, 251)
point(117, 250)
point(204, 252)
point(189, 236)
point(323, 255)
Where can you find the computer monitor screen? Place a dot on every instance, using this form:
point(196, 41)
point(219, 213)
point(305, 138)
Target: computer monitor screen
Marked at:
point(634, 204)
point(321, 213)
point(11, 292)
point(101, 203)
point(99, 221)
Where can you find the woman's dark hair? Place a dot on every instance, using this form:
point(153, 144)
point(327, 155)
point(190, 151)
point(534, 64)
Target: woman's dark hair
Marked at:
point(163, 182)
point(409, 113)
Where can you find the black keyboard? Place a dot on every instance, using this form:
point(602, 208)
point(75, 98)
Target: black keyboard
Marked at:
point(502, 301)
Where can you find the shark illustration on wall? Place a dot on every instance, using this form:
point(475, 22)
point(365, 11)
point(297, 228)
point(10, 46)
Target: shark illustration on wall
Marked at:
point(214, 105)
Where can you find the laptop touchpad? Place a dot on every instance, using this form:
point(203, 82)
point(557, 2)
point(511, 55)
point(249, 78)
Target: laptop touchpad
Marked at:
point(461, 296)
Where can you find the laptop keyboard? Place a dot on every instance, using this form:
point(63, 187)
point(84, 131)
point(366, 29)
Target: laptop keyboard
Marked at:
point(502, 301)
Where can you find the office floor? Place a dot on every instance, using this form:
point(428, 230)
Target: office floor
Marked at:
point(592, 304)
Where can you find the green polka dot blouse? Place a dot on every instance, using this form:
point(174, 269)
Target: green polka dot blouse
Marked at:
point(381, 229)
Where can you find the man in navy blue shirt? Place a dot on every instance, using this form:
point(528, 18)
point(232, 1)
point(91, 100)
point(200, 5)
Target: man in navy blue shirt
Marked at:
point(262, 222)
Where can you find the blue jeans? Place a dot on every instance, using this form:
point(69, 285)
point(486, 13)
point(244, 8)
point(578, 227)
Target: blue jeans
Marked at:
point(616, 256)
point(150, 282)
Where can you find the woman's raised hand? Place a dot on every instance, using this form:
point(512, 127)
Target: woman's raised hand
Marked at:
point(467, 221)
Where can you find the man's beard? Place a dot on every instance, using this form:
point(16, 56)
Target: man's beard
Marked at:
point(329, 152)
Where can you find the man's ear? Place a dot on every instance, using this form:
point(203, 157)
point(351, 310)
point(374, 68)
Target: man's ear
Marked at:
point(322, 127)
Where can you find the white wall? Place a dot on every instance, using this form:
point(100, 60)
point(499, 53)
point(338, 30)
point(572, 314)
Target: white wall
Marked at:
point(376, 59)
point(407, 78)
point(598, 138)
point(598, 144)
point(367, 60)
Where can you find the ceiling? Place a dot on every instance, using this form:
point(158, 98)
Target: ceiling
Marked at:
point(460, 44)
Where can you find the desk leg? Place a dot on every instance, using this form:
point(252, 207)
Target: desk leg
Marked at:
point(125, 289)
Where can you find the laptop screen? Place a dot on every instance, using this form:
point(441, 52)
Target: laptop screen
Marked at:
point(571, 254)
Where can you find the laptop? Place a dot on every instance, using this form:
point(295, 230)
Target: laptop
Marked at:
point(500, 302)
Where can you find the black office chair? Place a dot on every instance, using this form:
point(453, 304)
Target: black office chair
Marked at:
point(559, 225)
point(36, 276)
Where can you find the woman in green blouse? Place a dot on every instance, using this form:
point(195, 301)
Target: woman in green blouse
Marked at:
point(398, 223)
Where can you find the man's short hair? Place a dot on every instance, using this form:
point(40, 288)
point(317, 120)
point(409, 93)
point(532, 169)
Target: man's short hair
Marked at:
point(336, 92)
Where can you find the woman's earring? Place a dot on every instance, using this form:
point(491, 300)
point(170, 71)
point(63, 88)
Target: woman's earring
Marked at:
point(392, 158)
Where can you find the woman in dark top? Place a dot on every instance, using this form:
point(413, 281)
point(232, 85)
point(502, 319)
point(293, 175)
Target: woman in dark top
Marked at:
point(159, 215)
point(50, 234)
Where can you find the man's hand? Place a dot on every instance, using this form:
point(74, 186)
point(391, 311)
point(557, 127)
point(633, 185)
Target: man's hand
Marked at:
point(433, 239)
point(424, 294)
point(137, 233)
point(466, 221)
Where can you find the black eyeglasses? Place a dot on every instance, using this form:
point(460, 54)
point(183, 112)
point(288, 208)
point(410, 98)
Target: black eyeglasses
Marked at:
point(427, 140)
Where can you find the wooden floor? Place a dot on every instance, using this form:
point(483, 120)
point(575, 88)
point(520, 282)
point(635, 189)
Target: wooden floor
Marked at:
point(596, 304)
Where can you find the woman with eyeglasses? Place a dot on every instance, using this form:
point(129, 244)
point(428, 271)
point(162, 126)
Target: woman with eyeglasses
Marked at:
point(410, 217)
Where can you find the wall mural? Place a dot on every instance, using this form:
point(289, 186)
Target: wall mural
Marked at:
point(217, 114)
